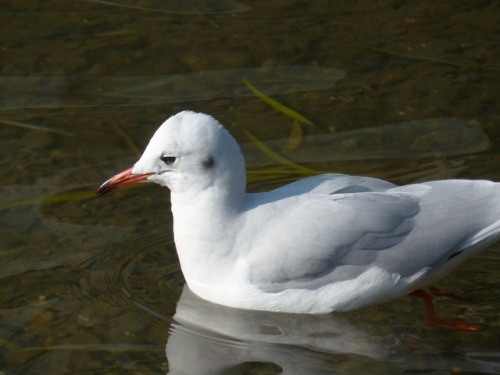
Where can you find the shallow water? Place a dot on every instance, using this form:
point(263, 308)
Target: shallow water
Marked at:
point(400, 90)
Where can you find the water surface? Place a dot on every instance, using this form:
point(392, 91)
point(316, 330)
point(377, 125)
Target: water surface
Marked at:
point(404, 91)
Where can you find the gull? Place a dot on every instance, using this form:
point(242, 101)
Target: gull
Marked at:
point(331, 242)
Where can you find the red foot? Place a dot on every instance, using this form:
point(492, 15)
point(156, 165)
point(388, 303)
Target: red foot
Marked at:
point(432, 320)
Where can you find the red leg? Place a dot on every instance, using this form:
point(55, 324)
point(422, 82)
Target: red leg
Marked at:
point(434, 321)
point(457, 295)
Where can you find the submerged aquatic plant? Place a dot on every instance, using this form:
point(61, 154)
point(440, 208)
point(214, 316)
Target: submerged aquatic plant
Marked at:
point(26, 125)
point(286, 167)
point(278, 106)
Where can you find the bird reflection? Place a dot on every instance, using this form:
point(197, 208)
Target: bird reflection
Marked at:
point(206, 338)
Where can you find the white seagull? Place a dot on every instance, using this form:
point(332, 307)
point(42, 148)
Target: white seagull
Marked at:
point(327, 243)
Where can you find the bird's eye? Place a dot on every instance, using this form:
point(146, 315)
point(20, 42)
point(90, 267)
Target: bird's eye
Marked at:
point(167, 159)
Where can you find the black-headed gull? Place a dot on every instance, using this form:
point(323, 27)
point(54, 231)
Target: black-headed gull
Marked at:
point(326, 243)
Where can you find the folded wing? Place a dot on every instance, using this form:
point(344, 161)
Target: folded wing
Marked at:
point(331, 237)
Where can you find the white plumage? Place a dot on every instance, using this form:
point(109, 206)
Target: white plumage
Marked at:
point(326, 243)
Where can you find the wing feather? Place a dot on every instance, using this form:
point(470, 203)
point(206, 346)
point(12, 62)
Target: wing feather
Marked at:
point(338, 227)
point(324, 233)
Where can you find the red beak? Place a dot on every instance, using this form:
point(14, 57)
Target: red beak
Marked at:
point(121, 179)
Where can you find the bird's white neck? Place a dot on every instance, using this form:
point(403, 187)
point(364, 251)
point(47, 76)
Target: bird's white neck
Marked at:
point(204, 224)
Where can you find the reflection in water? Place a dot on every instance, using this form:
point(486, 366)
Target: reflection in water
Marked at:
point(210, 339)
point(179, 6)
point(437, 137)
point(63, 92)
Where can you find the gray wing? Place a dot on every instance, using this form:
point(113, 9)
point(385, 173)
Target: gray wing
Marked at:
point(325, 238)
point(316, 239)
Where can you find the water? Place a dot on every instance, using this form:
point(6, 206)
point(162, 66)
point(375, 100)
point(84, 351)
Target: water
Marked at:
point(400, 90)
